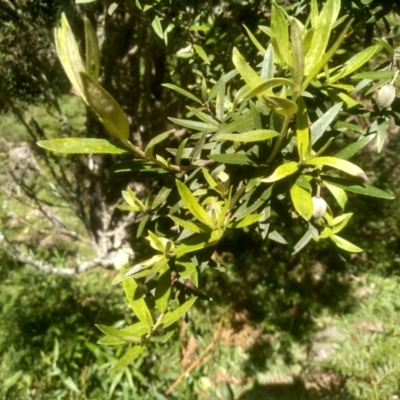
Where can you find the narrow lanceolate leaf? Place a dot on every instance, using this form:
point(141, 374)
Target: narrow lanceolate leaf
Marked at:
point(302, 131)
point(201, 52)
point(248, 74)
point(246, 221)
point(280, 35)
point(268, 70)
point(173, 316)
point(254, 40)
point(137, 303)
point(257, 135)
point(355, 62)
point(128, 358)
point(340, 164)
point(282, 171)
point(297, 54)
point(196, 125)
point(322, 32)
point(158, 29)
point(81, 146)
point(182, 91)
point(188, 225)
point(338, 193)
point(302, 202)
point(92, 50)
point(345, 244)
point(353, 148)
point(105, 106)
point(280, 105)
point(123, 334)
point(268, 84)
point(319, 127)
point(192, 205)
point(351, 185)
point(68, 53)
point(163, 289)
point(156, 140)
point(232, 158)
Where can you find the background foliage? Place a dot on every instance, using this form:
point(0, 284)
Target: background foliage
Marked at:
point(264, 338)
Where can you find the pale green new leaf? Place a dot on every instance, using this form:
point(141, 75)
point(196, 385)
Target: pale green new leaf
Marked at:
point(156, 242)
point(246, 221)
point(297, 54)
point(201, 52)
point(280, 35)
point(156, 25)
point(137, 303)
point(322, 32)
point(280, 105)
point(130, 356)
point(257, 135)
point(188, 225)
point(92, 50)
point(340, 164)
point(173, 316)
point(302, 202)
point(68, 53)
point(302, 130)
point(192, 204)
point(105, 106)
point(270, 83)
point(355, 62)
point(124, 334)
point(338, 193)
point(81, 146)
point(163, 289)
point(345, 244)
point(282, 171)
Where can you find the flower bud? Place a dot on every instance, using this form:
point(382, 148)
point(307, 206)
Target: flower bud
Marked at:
point(319, 207)
point(386, 96)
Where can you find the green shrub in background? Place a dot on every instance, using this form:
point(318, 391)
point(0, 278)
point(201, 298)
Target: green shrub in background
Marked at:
point(256, 153)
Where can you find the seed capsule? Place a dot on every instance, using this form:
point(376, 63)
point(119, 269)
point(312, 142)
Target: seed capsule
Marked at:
point(386, 96)
point(319, 207)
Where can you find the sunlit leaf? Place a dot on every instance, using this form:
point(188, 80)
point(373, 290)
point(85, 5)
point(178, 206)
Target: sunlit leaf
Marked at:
point(302, 202)
point(173, 316)
point(282, 171)
point(81, 146)
point(252, 136)
point(130, 356)
point(345, 244)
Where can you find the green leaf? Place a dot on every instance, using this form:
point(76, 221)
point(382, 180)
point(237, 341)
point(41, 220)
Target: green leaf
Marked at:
point(107, 109)
point(110, 341)
point(268, 67)
point(68, 54)
point(265, 85)
point(254, 40)
point(161, 197)
point(130, 356)
point(182, 91)
point(188, 225)
point(302, 202)
point(257, 135)
point(157, 267)
point(345, 245)
point(131, 198)
point(195, 125)
point(319, 65)
point(155, 141)
point(92, 50)
point(137, 303)
point(246, 221)
point(297, 54)
point(192, 205)
point(173, 316)
point(381, 134)
point(351, 185)
point(201, 52)
point(276, 237)
point(187, 270)
point(338, 163)
point(81, 146)
point(318, 128)
point(248, 74)
point(280, 105)
point(302, 131)
point(338, 193)
point(156, 242)
point(374, 75)
point(156, 25)
point(127, 335)
point(322, 31)
point(280, 35)
point(232, 158)
point(353, 148)
point(163, 289)
point(355, 62)
point(282, 171)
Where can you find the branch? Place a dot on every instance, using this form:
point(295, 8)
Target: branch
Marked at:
point(15, 253)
